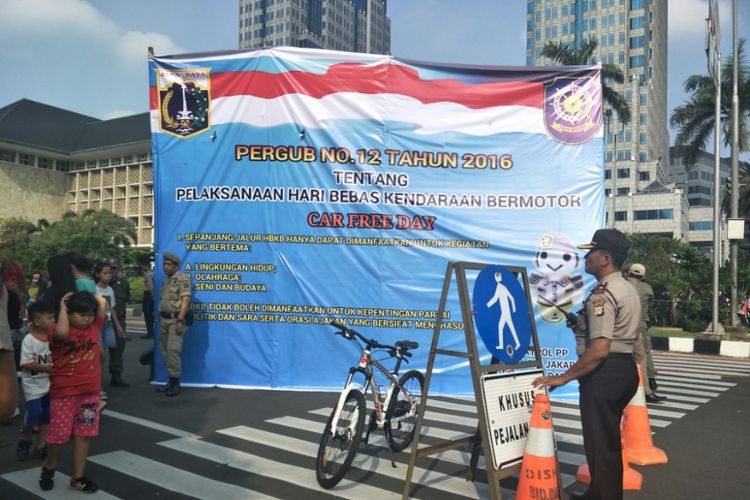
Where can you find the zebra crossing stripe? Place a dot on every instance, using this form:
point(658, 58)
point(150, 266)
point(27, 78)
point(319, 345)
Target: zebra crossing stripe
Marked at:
point(698, 382)
point(669, 387)
point(692, 369)
point(698, 363)
point(28, 479)
point(300, 476)
point(172, 478)
point(147, 423)
point(671, 383)
point(557, 410)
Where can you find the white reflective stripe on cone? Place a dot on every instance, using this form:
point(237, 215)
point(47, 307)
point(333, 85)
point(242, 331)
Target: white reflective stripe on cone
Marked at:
point(540, 442)
point(639, 399)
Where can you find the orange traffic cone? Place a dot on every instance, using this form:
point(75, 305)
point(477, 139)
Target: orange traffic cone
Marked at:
point(538, 477)
point(631, 478)
point(639, 446)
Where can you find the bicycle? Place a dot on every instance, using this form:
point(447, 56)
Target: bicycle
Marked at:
point(395, 409)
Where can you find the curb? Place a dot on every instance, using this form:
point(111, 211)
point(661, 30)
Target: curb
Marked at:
point(729, 348)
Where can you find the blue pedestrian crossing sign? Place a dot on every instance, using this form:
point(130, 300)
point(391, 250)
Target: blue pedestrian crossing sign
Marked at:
point(501, 314)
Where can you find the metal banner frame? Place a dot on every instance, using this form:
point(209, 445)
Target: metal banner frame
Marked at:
point(477, 370)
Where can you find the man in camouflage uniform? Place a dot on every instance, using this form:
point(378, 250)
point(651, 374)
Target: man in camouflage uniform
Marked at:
point(636, 273)
point(174, 304)
point(606, 372)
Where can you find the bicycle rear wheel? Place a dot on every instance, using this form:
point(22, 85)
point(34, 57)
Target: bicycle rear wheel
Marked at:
point(402, 410)
point(338, 446)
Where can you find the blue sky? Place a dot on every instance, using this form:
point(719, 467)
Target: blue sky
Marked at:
point(89, 56)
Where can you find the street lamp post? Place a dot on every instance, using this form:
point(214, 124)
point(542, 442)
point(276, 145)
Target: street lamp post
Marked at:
point(608, 115)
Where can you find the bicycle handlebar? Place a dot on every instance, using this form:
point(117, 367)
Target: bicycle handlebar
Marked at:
point(350, 334)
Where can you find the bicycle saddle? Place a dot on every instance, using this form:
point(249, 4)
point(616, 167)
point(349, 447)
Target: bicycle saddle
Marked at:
point(407, 344)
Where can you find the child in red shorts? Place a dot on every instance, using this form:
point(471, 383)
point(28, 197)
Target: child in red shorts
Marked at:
point(75, 383)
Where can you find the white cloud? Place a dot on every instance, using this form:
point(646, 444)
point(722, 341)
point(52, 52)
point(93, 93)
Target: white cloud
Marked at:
point(133, 45)
point(687, 19)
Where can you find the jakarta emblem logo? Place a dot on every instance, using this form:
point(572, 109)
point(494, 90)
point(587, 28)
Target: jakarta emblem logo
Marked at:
point(184, 98)
point(572, 110)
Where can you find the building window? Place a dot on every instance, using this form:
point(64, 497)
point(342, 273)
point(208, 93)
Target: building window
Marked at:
point(104, 162)
point(703, 225)
point(127, 159)
point(658, 214)
point(643, 138)
point(644, 99)
point(636, 22)
point(607, 192)
point(644, 176)
point(91, 165)
point(623, 173)
point(621, 216)
point(636, 4)
point(643, 119)
point(6, 155)
point(608, 174)
point(637, 61)
point(44, 163)
point(142, 157)
point(623, 191)
point(636, 42)
point(25, 159)
point(63, 166)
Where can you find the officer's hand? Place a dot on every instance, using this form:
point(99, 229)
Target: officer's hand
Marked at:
point(551, 381)
point(179, 328)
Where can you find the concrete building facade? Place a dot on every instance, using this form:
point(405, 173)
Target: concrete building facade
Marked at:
point(54, 161)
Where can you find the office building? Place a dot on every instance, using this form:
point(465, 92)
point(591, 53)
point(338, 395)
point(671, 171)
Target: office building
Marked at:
point(54, 161)
point(631, 34)
point(347, 25)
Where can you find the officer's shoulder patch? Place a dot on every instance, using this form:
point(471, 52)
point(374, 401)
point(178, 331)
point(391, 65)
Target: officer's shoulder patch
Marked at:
point(600, 288)
point(598, 305)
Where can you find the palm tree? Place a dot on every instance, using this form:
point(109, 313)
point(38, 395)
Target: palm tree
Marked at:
point(567, 55)
point(695, 118)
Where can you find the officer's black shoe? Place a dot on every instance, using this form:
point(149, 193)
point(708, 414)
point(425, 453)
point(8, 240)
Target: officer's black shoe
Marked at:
point(652, 383)
point(117, 381)
point(165, 387)
point(175, 389)
point(655, 398)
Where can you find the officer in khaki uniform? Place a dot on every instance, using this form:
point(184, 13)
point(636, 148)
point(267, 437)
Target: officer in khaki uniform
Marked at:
point(174, 304)
point(642, 348)
point(606, 371)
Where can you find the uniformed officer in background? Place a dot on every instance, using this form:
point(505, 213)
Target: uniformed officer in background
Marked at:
point(642, 351)
point(174, 304)
point(606, 372)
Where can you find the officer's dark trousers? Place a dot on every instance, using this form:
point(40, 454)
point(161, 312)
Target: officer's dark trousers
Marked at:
point(605, 392)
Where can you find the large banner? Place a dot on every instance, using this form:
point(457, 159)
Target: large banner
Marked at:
point(301, 185)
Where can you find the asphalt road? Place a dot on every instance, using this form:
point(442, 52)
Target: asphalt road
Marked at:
point(219, 443)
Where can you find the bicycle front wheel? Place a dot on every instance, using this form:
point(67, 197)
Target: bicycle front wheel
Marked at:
point(402, 410)
point(338, 446)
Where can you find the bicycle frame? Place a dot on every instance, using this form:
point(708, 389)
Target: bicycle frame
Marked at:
point(366, 363)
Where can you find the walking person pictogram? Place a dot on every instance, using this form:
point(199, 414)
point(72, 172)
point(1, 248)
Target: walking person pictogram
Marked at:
point(507, 307)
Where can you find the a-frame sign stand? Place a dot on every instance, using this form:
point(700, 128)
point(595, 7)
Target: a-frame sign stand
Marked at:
point(494, 475)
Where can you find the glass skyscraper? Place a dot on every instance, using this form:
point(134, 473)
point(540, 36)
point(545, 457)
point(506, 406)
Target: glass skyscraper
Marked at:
point(348, 25)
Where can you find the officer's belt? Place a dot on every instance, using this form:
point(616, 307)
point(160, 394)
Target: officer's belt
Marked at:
point(168, 315)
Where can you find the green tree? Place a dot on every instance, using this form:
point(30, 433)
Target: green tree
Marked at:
point(695, 118)
point(567, 55)
point(96, 234)
point(679, 275)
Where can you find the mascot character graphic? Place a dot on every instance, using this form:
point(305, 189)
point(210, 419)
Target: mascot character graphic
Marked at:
point(556, 283)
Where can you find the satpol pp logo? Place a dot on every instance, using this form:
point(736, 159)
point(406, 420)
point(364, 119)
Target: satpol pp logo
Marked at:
point(184, 101)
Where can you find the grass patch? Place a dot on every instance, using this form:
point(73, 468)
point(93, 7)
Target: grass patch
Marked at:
point(671, 332)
